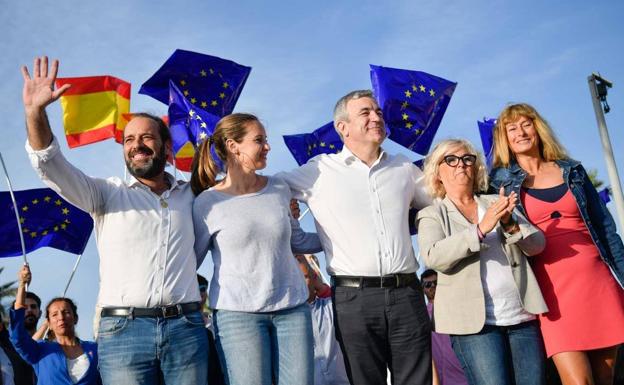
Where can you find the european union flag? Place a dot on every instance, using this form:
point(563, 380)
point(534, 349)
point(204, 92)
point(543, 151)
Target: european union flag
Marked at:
point(413, 104)
point(47, 220)
point(486, 131)
point(323, 140)
point(189, 125)
point(208, 82)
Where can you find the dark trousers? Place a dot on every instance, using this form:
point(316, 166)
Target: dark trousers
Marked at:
point(380, 329)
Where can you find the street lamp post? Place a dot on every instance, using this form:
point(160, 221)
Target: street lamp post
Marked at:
point(598, 88)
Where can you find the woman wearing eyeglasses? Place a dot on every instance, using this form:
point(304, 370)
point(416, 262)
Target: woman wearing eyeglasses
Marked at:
point(487, 297)
point(583, 256)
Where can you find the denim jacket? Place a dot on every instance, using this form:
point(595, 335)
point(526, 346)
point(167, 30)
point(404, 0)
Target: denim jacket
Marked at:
point(595, 214)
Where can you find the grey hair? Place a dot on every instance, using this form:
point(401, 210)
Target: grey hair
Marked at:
point(436, 157)
point(340, 110)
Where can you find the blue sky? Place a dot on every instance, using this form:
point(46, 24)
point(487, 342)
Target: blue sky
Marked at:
point(305, 55)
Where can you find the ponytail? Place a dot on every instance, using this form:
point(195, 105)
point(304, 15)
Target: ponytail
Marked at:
point(205, 167)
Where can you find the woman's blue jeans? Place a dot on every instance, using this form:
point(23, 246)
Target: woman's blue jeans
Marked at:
point(502, 355)
point(266, 348)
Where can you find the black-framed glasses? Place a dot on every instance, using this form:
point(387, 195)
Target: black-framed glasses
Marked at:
point(429, 284)
point(467, 160)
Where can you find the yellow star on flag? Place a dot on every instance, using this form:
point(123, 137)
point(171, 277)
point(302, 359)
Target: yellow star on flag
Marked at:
point(65, 211)
point(225, 85)
point(22, 219)
point(404, 105)
point(414, 88)
point(183, 82)
point(25, 208)
point(405, 116)
point(35, 201)
point(47, 199)
point(432, 92)
point(408, 125)
point(214, 103)
point(202, 73)
point(55, 228)
point(44, 232)
point(222, 95)
point(422, 88)
point(58, 202)
point(63, 226)
point(203, 135)
point(186, 93)
point(408, 94)
point(193, 100)
point(204, 104)
point(203, 125)
point(191, 112)
point(33, 234)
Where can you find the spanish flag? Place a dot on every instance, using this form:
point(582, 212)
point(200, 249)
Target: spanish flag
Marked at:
point(93, 108)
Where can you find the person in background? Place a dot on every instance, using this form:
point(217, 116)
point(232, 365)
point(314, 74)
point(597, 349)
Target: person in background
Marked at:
point(329, 366)
point(445, 361)
point(215, 375)
point(581, 270)
point(487, 296)
point(67, 359)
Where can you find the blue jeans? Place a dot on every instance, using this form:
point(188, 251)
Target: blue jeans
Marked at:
point(266, 348)
point(150, 350)
point(502, 355)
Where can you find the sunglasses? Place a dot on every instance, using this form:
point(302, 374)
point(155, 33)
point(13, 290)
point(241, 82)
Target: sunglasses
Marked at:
point(467, 160)
point(430, 284)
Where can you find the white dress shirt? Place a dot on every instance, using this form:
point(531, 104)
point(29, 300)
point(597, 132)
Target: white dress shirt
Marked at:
point(145, 241)
point(361, 213)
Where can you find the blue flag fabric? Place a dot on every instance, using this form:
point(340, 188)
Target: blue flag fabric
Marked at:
point(187, 123)
point(323, 140)
point(413, 104)
point(47, 220)
point(208, 82)
point(486, 131)
point(605, 195)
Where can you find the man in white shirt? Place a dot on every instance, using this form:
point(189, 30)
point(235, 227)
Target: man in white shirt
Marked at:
point(151, 329)
point(360, 199)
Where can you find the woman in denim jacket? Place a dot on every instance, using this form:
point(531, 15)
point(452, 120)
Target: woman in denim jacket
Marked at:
point(581, 270)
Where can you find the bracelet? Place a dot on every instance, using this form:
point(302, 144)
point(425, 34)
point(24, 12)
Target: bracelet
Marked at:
point(480, 233)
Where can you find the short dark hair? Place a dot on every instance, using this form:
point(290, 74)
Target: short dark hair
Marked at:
point(202, 282)
point(33, 296)
point(428, 273)
point(163, 129)
point(62, 299)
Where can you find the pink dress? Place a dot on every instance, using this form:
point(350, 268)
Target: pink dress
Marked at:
point(585, 302)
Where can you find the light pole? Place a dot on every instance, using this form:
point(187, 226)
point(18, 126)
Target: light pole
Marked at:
point(598, 88)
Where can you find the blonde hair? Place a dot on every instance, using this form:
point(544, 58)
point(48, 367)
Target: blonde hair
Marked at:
point(549, 147)
point(436, 157)
point(205, 168)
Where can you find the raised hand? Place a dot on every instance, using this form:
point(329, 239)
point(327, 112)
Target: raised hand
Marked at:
point(39, 90)
point(24, 276)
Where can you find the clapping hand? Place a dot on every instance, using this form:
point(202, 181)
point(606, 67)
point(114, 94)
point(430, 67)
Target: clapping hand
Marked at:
point(499, 211)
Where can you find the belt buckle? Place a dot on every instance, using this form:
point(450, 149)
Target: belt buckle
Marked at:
point(171, 311)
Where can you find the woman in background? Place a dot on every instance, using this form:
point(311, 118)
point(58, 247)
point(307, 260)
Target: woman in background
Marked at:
point(66, 359)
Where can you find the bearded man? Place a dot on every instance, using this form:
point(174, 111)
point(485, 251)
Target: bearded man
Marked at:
point(151, 329)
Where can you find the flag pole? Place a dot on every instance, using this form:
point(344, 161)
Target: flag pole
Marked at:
point(71, 276)
point(17, 218)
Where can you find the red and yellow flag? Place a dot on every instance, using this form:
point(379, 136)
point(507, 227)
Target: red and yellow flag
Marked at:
point(93, 108)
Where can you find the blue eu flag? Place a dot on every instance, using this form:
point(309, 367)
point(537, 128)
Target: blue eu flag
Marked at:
point(207, 82)
point(604, 195)
point(486, 131)
point(323, 140)
point(47, 220)
point(413, 104)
